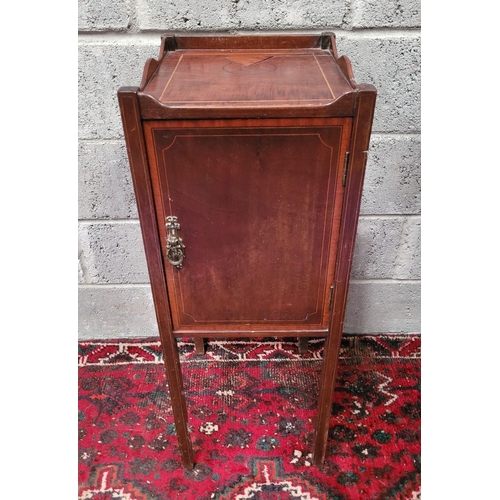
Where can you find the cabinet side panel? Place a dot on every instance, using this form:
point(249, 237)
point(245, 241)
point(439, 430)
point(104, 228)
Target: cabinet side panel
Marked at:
point(351, 204)
point(132, 126)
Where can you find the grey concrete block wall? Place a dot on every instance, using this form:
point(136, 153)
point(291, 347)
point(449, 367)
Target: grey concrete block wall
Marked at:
point(103, 16)
point(223, 15)
point(386, 14)
point(391, 61)
point(105, 64)
point(104, 181)
point(382, 39)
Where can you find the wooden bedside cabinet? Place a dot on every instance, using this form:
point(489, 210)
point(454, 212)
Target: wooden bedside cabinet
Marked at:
point(247, 156)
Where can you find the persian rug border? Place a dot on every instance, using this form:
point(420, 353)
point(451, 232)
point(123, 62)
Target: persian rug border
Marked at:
point(148, 350)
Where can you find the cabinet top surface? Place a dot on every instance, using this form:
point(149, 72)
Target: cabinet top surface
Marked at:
point(248, 76)
point(254, 76)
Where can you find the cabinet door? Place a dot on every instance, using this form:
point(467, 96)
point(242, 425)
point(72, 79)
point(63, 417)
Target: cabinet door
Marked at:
point(259, 205)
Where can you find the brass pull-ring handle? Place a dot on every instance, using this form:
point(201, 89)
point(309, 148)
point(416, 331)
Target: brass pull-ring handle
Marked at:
point(175, 247)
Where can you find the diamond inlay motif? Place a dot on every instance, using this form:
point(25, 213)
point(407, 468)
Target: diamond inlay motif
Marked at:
point(248, 59)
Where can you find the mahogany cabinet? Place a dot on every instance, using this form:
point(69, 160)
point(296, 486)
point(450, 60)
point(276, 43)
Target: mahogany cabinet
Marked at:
point(247, 156)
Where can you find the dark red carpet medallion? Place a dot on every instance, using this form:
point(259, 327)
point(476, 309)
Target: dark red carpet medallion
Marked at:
point(251, 406)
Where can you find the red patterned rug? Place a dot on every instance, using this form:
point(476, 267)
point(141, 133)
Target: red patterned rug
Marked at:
point(251, 406)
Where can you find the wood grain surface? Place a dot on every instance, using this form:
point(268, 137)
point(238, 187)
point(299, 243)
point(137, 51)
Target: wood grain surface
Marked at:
point(258, 144)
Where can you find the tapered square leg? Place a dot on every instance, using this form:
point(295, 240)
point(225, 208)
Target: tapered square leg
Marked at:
point(303, 342)
point(129, 107)
point(199, 344)
point(327, 384)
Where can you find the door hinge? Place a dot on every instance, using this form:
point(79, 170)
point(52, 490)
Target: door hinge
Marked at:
point(330, 300)
point(346, 163)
